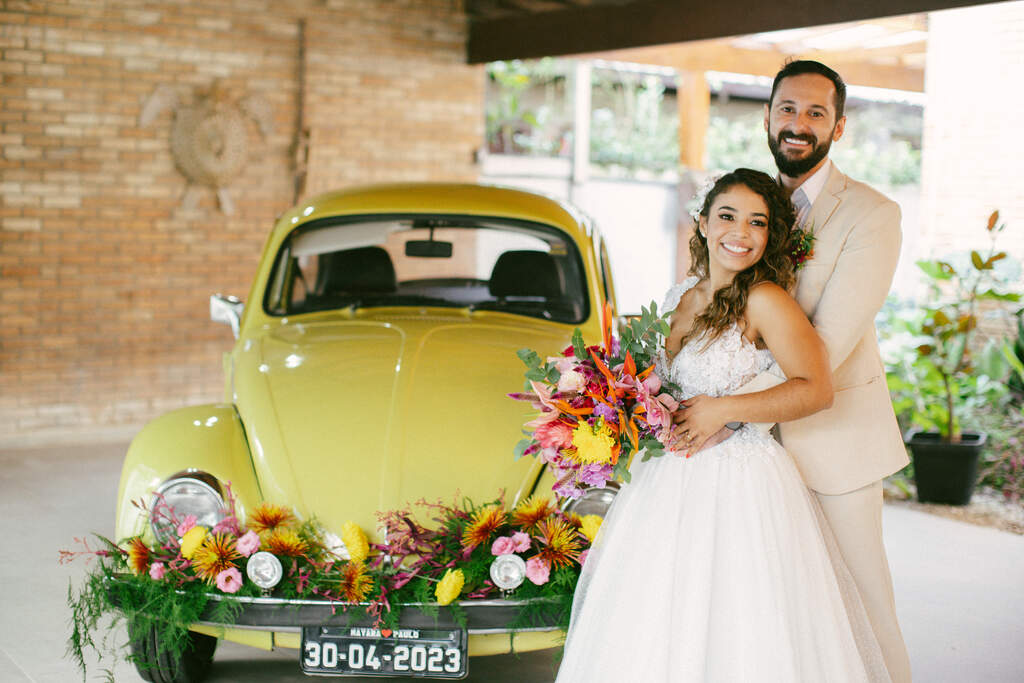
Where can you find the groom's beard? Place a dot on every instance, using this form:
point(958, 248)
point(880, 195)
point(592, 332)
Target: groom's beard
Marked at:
point(797, 167)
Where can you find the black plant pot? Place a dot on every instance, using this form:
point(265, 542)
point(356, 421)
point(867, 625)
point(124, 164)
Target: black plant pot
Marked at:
point(945, 472)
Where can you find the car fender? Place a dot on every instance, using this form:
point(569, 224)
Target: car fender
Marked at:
point(206, 438)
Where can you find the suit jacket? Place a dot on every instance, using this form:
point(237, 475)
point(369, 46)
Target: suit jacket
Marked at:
point(841, 288)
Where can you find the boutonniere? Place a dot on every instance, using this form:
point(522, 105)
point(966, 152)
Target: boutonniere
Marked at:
point(802, 249)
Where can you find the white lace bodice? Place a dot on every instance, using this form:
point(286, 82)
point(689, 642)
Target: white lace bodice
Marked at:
point(729, 362)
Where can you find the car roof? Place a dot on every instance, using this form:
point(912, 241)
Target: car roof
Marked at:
point(432, 198)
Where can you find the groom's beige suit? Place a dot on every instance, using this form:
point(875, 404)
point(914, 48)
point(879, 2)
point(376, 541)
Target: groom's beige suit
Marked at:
point(844, 452)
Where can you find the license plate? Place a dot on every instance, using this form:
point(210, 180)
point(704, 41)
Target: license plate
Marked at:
point(365, 651)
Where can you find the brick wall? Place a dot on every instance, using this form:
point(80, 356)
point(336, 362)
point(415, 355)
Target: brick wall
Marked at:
point(105, 271)
point(973, 143)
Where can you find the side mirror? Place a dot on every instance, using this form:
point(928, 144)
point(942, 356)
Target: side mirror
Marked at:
point(226, 309)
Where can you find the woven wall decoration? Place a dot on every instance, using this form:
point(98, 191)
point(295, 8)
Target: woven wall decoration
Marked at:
point(209, 135)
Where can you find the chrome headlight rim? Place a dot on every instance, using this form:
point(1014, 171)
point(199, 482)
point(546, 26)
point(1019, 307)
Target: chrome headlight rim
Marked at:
point(609, 490)
point(164, 532)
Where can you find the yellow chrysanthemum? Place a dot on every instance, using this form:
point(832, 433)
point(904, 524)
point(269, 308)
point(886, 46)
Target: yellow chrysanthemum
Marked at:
point(355, 541)
point(355, 584)
point(138, 556)
point(560, 545)
point(216, 554)
point(285, 542)
point(574, 520)
point(269, 517)
point(484, 522)
point(191, 541)
point(449, 587)
point(531, 511)
point(592, 446)
point(591, 525)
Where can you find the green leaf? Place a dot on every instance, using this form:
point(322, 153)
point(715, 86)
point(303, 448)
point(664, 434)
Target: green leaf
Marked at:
point(578, 347)
point(536, 374)
point(937, 270)
point(521, 447)
point(978, 263)
point(992, 295)
point(529, 357)
point(1012, 359)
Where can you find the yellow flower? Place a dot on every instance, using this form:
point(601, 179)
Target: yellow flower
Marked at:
point(531, 511)
point(269, 517)
point(559, 543)
point(355, 541)
point(484, 522)
point(138, 556)
point(591, 523)
point(354, 584)
point(592, 446)
point(191, 541)
point(285, 542)
point(449, 587)
point(217, 553)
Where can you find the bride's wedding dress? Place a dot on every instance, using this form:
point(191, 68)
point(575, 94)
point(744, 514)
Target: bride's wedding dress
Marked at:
point(718, 567)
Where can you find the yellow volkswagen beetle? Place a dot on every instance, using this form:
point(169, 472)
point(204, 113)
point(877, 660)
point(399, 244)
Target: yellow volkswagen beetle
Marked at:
point(371, 367)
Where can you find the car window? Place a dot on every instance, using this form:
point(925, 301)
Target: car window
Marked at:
point(516, 267)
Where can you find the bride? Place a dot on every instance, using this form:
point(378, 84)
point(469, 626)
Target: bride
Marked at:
point(719, 567)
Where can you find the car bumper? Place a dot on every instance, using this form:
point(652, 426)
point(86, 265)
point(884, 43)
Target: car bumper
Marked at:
point(493, 626)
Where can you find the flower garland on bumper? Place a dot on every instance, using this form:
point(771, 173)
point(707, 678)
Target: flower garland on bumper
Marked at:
point(170, 584)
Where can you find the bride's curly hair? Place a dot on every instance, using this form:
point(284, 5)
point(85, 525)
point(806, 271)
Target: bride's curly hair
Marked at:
point(729, 303)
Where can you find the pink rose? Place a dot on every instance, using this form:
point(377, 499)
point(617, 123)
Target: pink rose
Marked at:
point(503, 546)
point(537, 570)
point(157, 570)
point(571, 382)
point(522, 541)
point(554, 435)
point(583, 556)
point(229, 580)
point(186, 524)
point(248, 543)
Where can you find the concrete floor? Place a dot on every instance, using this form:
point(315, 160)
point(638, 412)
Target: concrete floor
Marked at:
point(959, 587)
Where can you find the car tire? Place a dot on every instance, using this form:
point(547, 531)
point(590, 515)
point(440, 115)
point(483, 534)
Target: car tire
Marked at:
point(156, 666)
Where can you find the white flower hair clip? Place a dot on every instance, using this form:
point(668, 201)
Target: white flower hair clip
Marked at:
point(697, 203)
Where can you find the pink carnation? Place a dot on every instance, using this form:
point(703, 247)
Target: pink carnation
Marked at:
point(157, 570)
point(554, 435)
point(537, 570)
point(503, 546)
point(229, 580)
point(186, 524)
point(228, 525)
point(248, 543)
point(522, 541)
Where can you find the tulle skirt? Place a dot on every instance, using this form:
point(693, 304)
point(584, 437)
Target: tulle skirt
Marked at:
point(718, 568)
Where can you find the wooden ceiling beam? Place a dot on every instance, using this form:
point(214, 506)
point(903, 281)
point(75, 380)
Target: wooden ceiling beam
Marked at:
point(595, 28)
point(721, 55)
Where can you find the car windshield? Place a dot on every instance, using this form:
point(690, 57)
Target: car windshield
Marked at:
point(505, 265)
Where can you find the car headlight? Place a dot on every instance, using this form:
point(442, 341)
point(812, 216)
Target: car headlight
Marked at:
point(594, 501)
point(184, 496)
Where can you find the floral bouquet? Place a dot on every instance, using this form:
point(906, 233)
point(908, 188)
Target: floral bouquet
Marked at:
point(467, 551)
point(599, 405)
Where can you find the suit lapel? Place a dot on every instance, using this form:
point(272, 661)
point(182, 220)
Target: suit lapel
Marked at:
point(827, 202)
point(812, 277)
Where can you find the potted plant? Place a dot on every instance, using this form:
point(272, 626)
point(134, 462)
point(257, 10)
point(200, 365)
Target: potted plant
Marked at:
point(940, 379)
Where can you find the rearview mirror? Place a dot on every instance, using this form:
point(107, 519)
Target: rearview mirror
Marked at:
point(428, 249)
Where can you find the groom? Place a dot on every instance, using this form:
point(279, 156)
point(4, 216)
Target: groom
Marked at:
point(842, 452)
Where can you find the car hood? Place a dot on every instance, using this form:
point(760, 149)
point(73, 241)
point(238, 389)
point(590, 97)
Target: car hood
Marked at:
point(348, 418)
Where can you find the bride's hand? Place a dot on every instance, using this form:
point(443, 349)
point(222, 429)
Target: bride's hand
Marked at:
point(697, 421)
